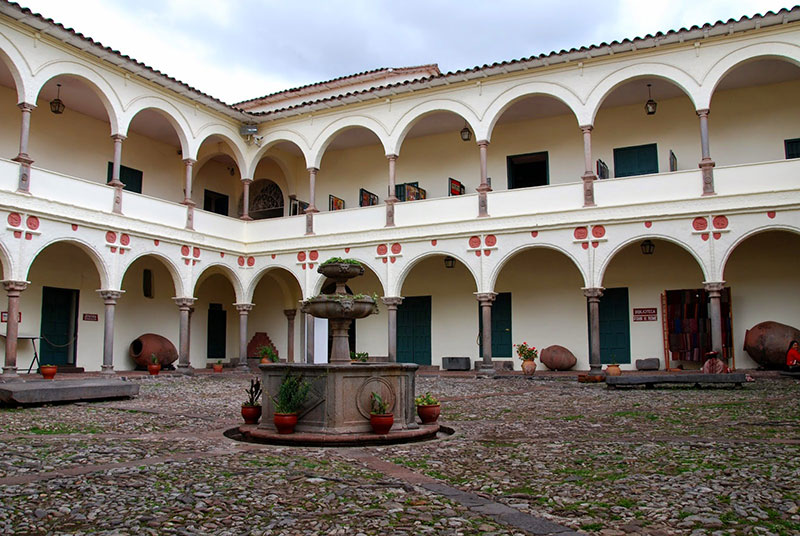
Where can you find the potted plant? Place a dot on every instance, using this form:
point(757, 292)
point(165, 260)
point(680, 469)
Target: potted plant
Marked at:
point(291, 396)
point(380, 418)
point(528, 355)
point(48, 371)
point(251, 408)
point(428, 408)
point(217, 366)
point(154, 367)
point(359, 357)
point(613, 369)
point(268, 354)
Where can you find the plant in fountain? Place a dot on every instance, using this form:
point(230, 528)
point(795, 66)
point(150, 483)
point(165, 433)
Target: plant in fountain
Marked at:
point(428, 408)
point(251, 408)
point(359, 357)
point(379, 417)
point(288, 401)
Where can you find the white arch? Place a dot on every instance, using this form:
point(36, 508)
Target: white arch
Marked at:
point(173, 270)
point(230, 137)
point(407, 121)
point(170, 112)
point(12, 59)
point(749, 234)
point(506, 99)
point(102, 88)
point(230, 275)
point(601, 270)
point(320, 279)
point(285, 187)
point(786, 51)
point(397, 287)
point(519, 249)
point(275, 137)
point(330, 132)
point(671, 74)
point(254, 282)
point(7, 262)
point(90, 250)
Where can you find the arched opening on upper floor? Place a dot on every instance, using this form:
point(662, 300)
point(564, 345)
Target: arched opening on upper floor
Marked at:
point(283, 164)
point(217, 181)
point(275, 319)
point(628, 140)
point(439, 313)
point(754, 110)
point(353, 171)
point(645, 280)
point(539, 301)
point(764, 282)
point(433, 151)
point(149, 283)
point(215, 336)
point(535, 142)
point(10, 114)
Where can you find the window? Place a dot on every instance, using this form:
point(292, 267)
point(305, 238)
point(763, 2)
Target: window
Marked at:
point(792, 148)
point(215, 202)
point(147, 283)
point(525, 170)
point(131, 178)
point(638, 160)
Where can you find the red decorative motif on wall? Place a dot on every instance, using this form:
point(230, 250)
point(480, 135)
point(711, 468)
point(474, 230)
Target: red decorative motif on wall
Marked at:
point(196, 253)
point(490, 240)
point(474, 242)
point(111, 237)
point(585, 245)
point(125, 240)
point(156, 242)
point(717, 236)
point(771, 214)
point(704, 236)
point(581, 233)
point(301, 256)
point(185, 251)
point(221, 255)
point(396, 248)
point(14, 219)
point(700, 224)
point(534, 234)
point(273, 255)
point(347, 250)
point(313, 255)
point(113, 249)
point(720, 222)
point(382, 249)
point(32, 222)
point(74, 226)
point(240, 260)
point(434, 242)
point(648, 224)
point(251, 261)
point(598, 231)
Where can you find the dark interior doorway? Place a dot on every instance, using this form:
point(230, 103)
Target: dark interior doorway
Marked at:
point(526, 170)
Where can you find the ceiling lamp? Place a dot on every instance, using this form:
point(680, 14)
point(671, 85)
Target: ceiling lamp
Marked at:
point(57, 105)
point(651, 105)
point(465, 133)
point(449, 262)
point(648, 247)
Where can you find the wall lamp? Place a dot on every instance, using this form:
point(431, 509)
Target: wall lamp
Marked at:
point(449, 262)
point(648, 247)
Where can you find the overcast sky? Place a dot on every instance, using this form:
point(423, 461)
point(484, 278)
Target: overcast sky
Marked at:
point(241, 49)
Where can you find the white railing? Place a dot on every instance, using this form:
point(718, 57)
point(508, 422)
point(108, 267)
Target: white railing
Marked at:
point(350, 220)
point(440, 210)
point(153, 210)
point(70, 190)
point(648, 188)
point(762, 177)
point(559, 197)
point(213, 224)
point(275, 229)
point(9, 175)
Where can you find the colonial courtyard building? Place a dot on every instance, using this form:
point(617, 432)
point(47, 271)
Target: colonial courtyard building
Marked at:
point(626, 200)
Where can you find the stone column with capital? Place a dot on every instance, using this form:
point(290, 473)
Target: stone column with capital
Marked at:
point(309, 338)
point(714, 290)
point(706, 163)
point(312, 200)
point(185, 307)
point(246, 199)
point(588, 176)
point(391, 303)
point(244, 310)
point(391, 199)
point(593, 296)
point(187, 192)
point(483, 188)
point(25, 161)
point(115, 167)
point(110, 298)
point(485, 299)
point(13, 289)
point(290, 315)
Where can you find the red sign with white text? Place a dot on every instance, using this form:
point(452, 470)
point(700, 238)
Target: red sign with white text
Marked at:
point(645, 314)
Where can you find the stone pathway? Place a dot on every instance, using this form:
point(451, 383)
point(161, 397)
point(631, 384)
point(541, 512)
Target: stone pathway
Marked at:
point(542, 456)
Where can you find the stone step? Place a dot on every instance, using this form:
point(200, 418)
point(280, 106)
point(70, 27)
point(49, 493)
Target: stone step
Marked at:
point(56, 391)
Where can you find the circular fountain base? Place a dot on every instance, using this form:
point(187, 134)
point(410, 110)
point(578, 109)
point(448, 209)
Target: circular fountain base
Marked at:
point(252, 433)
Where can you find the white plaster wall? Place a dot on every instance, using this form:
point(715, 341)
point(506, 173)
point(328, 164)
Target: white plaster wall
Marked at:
point(10, 123)
point(764, 279)
point(343, 172)
point(216, 288)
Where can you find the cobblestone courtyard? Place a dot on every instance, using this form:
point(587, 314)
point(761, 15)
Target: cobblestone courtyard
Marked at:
point(525, 453)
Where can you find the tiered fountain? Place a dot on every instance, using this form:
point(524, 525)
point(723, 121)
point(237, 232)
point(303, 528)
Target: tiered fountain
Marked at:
point(338, 408)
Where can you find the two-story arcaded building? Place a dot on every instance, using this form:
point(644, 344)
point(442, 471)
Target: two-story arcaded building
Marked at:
point(626, 200)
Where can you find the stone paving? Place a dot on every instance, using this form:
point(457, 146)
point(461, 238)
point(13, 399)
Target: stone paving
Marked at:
point(540, 456)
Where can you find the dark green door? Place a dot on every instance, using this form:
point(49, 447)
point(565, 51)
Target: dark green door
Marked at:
point(414, 330)
point(501, 326)
point(638, 160)
point(59, 330)
point(615, 328)
point(217, 325)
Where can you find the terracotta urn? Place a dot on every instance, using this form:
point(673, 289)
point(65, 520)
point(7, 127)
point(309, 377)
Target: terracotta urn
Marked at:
point(613, 370)
point(429, 414)
point(48, 371)
point(285, 422)
point(768, 342)
point(557, 357)
point(144, 346)
point(251, 414)
point(528, 367)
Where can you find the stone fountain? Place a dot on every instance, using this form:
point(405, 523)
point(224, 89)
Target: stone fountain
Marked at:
point(338, 408)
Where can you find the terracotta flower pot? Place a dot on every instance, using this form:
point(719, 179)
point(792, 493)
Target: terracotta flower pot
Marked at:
point(613, 370)
point(154, 368)
point(285, 422)
point(381, 424)
point(251, 414)
point(528, 367)
point(429, 414)
point(217, 367)
point(48, 371)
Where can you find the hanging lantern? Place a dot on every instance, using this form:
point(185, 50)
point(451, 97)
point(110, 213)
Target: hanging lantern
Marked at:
point(465, 133)
point(57, 105)
point(651, 105)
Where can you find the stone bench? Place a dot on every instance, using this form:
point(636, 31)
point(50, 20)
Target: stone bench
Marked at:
point(58, 391)
point(697, 379)
point(456, 363)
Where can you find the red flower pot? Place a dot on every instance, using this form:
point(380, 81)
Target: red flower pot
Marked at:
point(217, 367)
point(381, 423)
point(429, 414)
point(153, 369)
point(251, 414)
point(48, 371)
point(285, 422)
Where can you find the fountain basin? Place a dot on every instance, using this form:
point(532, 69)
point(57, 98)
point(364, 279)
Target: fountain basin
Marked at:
point(334, 306)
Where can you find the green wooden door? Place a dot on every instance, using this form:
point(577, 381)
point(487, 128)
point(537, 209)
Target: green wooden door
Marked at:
point(501, 326)
point(414, 330)
point(615, 329)
point(217, 331)
point(638, 160)
point(59, 326)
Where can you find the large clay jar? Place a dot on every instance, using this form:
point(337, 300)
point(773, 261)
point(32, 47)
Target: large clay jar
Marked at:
point(557, 357)
point(768, 342)
point(145, 345)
